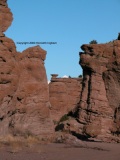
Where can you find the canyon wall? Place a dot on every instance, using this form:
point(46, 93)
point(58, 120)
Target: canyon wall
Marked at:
point(64, 95)
point(29, 106)
point(24, 91)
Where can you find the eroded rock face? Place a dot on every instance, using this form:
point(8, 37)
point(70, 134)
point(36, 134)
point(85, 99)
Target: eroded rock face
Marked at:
point(25, 96)
point(24, 92)
point(99, 111)
point(5, 17)
point(64, 95)
point(32, 95)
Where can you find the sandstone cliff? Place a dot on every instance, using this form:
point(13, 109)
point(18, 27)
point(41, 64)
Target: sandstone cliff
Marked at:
point(64, 95)
point(24, 92)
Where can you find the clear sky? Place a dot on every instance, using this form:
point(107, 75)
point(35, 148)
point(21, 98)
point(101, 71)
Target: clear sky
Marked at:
point(70, 23)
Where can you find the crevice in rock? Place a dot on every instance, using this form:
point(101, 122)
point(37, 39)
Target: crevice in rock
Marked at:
point(11, 113)
point(116, 133)
point(2, 59)
point(74, 113)
point(11, 124)
point(88, 96)
point(80, 136)
point(1, 118)
point(5, 82)
point(1, 41)
point(19, 99)
point(59, 127)
point(91, 111)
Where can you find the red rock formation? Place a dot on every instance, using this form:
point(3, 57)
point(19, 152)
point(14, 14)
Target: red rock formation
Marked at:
point(24, 92)
point(5, 17)
point(64, 95)
point(99, 111)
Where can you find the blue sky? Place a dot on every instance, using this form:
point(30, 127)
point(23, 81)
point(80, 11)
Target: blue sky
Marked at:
point(70, 23)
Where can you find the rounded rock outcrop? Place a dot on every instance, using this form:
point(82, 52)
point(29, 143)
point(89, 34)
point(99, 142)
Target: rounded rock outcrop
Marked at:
point(6, 17)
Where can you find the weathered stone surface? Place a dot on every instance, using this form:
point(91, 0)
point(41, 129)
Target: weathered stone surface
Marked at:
point(24, 92)
point(100, 99)
point(32, 94)
point(64, 95)
point(28, 106)
point(69, 140)
point(5, 17)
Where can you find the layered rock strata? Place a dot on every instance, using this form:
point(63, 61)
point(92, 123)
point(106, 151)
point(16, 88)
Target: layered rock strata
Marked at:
point(99, 111)
point(64, 95)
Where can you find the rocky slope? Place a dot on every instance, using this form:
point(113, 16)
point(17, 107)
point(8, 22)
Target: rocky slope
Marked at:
point(24, 92)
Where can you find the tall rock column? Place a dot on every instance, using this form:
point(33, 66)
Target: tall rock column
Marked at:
point(24, 91)
point(97, 111)
point(30, 102)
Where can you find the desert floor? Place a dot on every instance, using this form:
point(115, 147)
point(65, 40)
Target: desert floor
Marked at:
point(54, 151)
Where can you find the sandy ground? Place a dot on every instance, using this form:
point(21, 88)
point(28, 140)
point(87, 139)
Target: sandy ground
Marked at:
point(93, 151)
